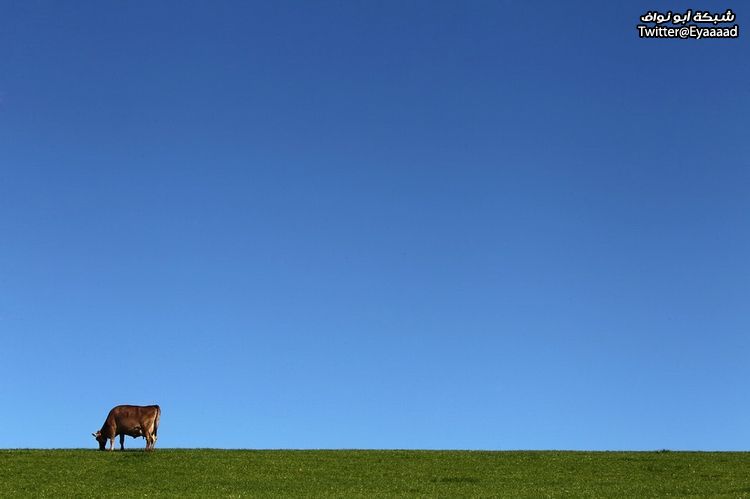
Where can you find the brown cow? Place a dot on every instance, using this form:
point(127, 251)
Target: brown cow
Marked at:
point(132, 420)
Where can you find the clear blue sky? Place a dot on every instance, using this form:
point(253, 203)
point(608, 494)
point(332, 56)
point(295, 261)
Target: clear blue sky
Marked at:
point(407, 224)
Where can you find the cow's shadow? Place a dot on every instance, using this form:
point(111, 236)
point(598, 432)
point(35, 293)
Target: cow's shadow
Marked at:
point(130, 453)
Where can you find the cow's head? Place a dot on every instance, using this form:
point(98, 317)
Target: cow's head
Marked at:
point(99, 438)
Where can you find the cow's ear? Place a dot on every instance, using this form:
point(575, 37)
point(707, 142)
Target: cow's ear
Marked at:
point(94, 435)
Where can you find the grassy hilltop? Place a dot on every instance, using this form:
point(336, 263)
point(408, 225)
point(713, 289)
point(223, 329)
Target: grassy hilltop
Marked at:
point(247, 473)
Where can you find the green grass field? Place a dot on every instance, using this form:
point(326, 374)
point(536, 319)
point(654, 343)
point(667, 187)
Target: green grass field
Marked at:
point(247, 473)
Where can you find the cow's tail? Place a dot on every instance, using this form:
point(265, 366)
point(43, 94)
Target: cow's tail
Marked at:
point(156, 420)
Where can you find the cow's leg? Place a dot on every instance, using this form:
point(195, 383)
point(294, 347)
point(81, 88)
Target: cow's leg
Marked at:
point(152, 433)
point(122, 441)
point(147, 436)
point(112, 443)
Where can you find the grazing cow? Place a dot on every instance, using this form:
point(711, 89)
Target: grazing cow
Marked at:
point(133, 420)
